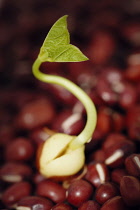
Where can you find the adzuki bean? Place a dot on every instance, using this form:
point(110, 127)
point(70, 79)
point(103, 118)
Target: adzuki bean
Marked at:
point(35, 114)
point(15, 192)
point(62, 206)
point(78, 192)
point(51, 190)
point(132, 164)
point(130, 190)
point(13, 172)
point(114, 203)
point(20, 149)
point(34, 202)
point(90, 205)
point(31, 111)
point(106, 191)
point(97, 174)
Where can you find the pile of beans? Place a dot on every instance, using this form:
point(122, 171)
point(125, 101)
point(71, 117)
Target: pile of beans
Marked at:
point(108, 32)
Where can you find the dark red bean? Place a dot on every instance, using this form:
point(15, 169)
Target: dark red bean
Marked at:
point(15, 192)
point(101, 47)
point(81, 73)
point(51, 190)
point(15, 172)
point(98, 155)
point(6, 134)
point(78, 192)
point(105, 93)
point(34, 202)
point(23, 97)
point(115, 203)
point(109, 85)
point(130, 190)
point(95, 97)
point(111, 139)
point(128, 96)
point(118, 122)
point(97, 174)
point(132, 165)
point(37, 178)
point(106, 191)
point(21, 149)
point(116, 154)
point(89, 205)
point(133, 70)
point(94, 142)
point(69, 123)
point(40, 135)
point(131, 30)
point(52, 68)
point(117, 174)
point(133, 122)
point(35, 114)
point(104, 121)
point(62, 95)
point(62, 206)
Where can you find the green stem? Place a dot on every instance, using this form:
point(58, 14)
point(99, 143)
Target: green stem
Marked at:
point(87, 132)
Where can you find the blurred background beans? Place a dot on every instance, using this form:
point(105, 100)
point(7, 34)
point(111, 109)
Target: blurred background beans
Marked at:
point(108, 32)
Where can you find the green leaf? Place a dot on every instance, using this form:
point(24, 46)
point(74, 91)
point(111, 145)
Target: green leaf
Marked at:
point(68, 53)
point(56, 47)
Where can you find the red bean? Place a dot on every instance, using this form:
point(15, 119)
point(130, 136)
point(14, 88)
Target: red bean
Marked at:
point(69, 123)
point(15, 192)
point(118, 122)
point(98, 156)
point(111, 139)
point(62, 95)
point(117, 174)
point(51, 190)
point(81, 73)
point(104, 121)
point(130, 190)
point(132, 164)
point(102, 47)
point(34, 202)
point(40, 135)
point(62, 206)
point(109, 85)
point(37, 178)
point(133, 70)
point(128, 96)
point(97, 174)
point(105, 93)
point(35, 114)
point(20, 149)
point(131, 30)
point(106, 191)
point(116, 154)
point(133, 122)
point(15, 172)
point(90, 205)
point(78, 192)
point(115, 203)
point(109, 33)
point(7, 133)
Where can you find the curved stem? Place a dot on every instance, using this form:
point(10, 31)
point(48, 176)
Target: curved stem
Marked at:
point(87, 132)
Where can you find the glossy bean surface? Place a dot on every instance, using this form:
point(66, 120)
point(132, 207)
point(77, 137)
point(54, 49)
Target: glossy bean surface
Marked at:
point(78, 192)
point(34, 202)
point(130, 190)
point(105, 192)
point(51, 190)
point(16, 192)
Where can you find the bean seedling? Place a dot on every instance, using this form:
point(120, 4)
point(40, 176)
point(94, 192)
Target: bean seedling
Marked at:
point(62, 154)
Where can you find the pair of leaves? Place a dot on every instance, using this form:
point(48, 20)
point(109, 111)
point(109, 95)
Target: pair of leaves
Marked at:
point(57, 47)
